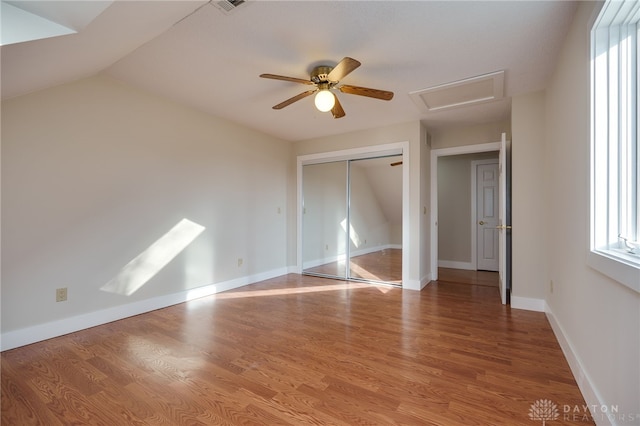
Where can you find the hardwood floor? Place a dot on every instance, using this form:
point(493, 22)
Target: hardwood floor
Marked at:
point(460, 276)
point(383, 265)
point(299, 350)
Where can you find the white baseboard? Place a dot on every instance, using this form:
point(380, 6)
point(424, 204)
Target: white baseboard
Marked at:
point(456, 265)
point(412, 285)
point(354, 253)
point(36, 333)
point(528, 303)
point(425, 281)
point(589, 392)
point(295, 269)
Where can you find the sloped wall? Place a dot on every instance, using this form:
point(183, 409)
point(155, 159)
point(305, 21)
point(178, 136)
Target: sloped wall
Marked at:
point(94, 173)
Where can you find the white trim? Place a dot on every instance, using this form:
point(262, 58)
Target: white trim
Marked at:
point(367, 250)
point(373, 151)
point(585, 383)
point(616, 109)
point(36, 333)
point(443, 152)
point(425, 281)
point(616, 269)
point(414, 284)
point(353, 154)
point(528, 303)
point(353, 253)
point(453, 264)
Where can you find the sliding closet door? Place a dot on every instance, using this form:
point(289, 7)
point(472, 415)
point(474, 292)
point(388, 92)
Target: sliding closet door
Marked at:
point(375, 219)
point(352, 219)
point(324, 213)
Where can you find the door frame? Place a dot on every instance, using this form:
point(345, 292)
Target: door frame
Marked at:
point(474, 208)
point(435, 154)
point(398, 148)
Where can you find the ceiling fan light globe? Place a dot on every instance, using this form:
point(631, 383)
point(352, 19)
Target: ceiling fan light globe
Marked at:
point(325, 100)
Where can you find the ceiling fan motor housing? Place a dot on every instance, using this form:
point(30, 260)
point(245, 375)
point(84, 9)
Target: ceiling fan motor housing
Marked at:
point(321, 74)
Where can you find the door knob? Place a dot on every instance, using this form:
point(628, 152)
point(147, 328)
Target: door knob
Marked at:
point(482, 222)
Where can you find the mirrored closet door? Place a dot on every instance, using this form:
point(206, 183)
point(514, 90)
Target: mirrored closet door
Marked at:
point(324, 210)
point(352, 219)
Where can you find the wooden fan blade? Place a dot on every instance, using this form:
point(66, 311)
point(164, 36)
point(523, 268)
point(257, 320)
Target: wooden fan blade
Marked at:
point(282, 77)
point(294, 99)
point(344, 67)
point(337, 110)
point(365, 91)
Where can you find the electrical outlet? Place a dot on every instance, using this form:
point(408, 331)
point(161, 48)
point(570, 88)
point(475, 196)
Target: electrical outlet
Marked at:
point(61, 294)
point(279, 211)
point(551, 286)
point(240, 261)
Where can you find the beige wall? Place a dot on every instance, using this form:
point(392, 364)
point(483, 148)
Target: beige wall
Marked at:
point(596, 318)
point(530, 215)
point(470, 135)
point(94, 172)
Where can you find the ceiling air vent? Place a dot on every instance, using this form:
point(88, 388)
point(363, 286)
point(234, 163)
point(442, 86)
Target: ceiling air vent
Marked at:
point(227, 6)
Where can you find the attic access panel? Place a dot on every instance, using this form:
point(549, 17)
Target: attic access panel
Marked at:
point(470, 91)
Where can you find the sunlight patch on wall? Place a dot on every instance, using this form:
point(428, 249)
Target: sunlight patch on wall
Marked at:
point(148, 263)
point(353, 235)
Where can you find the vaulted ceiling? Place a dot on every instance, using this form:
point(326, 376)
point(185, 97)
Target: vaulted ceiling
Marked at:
point(197, 54)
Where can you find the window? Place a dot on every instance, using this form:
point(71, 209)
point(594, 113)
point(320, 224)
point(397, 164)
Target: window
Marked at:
point(615, 185)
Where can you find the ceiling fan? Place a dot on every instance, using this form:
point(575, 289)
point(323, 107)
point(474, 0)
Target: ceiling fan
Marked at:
point(326, 78)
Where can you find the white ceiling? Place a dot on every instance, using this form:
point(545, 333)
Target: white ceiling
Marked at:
point(193, 53)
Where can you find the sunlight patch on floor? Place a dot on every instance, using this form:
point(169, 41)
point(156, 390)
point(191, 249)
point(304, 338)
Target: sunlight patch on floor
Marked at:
point(298, 290)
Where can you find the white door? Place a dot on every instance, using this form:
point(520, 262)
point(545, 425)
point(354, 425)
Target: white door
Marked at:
point(502, 215)
point(487, 220)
